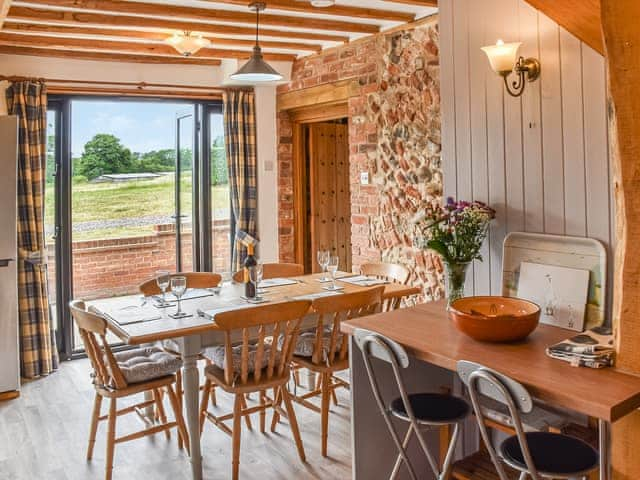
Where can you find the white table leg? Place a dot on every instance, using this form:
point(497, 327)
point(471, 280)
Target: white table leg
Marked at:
point(191, 384)
point(604, 444)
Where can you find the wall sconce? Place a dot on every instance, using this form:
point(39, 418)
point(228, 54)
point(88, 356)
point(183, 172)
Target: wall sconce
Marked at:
point(504, 59)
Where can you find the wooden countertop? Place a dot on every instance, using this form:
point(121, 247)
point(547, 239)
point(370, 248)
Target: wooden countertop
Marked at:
point(427, 334)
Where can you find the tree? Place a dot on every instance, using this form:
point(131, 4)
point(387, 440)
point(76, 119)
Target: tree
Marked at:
point(219, 168)
point(157, 161)
point(105, 154)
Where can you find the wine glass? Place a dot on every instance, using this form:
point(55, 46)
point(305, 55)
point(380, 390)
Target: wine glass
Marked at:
point(332, 266)
point(163, 279)
point(178, 287)
point(323, 259)
point(255, 277)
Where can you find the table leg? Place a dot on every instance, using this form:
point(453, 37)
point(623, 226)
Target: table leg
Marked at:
point(191, 383)
point(604, 444)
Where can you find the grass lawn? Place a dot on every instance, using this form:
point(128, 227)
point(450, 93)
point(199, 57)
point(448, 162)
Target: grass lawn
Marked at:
point(96, 202)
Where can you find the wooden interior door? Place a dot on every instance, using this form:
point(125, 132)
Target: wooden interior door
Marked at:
point(329, 200)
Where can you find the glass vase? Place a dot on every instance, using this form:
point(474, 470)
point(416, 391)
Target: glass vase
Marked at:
point(456, 275)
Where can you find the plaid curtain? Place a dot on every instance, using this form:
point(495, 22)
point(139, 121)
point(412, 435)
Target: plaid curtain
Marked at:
point(240, 140)
point(39, 355)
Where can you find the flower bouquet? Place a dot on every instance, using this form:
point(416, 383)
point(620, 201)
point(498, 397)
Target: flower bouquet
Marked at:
point(456, 232)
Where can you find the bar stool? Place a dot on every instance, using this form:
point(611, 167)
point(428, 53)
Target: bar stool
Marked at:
point(535, 454)
point(419, 409)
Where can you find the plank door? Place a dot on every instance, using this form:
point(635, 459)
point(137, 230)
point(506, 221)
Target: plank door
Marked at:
point(329, 207)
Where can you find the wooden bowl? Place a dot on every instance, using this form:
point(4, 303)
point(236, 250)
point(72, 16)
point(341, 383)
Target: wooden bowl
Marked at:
point(495, 319)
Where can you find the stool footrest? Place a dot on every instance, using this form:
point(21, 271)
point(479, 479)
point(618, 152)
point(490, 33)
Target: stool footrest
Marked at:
point(479, 467)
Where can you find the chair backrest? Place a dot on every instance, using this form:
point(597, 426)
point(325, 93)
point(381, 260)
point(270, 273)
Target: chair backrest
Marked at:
point(331, 312)
point(481, 380)
point(274, 270)
point(194, 280)
point(279, 321)
point(390, 272)
point(93, 330)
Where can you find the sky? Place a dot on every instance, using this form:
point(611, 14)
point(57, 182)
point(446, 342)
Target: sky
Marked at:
point(141, 126)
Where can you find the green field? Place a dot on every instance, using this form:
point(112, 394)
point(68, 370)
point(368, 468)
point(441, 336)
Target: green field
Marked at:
point(111, 203)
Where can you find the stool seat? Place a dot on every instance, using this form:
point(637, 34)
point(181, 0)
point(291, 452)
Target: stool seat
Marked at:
point(432, 408)
point(552, 453)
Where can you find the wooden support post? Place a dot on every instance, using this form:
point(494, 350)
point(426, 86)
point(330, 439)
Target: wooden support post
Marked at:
point(4, 10)
point(622, 45)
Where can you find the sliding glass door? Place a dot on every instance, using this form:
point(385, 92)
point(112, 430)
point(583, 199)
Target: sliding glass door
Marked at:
point(123, 200)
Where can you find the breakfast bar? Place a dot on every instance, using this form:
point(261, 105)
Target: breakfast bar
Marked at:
point(435, 346)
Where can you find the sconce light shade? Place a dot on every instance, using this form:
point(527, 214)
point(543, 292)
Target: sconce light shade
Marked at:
point(502, 56)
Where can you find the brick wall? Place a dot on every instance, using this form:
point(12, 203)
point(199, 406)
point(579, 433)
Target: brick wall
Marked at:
point(116, 266)
point(394, 134)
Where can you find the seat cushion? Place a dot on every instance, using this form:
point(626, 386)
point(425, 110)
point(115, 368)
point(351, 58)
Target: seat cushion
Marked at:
point(170, 345)
point(144, 364)
point(432, 407)
point(552, 453)
point(217, 356)
point(307, 340)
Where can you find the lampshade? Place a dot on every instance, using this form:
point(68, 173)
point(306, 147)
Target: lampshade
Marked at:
point(502, 56)
point(256, 69)
point(322, 3)
point(186, 43)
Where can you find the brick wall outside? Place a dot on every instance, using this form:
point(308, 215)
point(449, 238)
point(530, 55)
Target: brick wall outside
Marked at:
point(116, 266)
point(394, 134)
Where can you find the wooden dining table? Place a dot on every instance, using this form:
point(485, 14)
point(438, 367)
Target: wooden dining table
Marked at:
point(137, 321)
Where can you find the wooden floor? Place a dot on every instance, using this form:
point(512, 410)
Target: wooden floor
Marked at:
point(43, 435)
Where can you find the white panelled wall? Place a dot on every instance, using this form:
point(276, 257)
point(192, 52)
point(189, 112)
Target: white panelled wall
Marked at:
point(540, 160)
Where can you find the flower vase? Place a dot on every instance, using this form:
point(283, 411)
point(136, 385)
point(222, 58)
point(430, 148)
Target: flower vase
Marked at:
point(456, 275)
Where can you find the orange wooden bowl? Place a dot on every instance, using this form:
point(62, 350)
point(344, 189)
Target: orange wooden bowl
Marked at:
point(495, 319)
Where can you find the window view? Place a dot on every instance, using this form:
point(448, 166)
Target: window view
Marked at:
point(132, 194)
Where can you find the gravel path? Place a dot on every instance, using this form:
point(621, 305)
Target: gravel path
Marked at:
point(122, 222)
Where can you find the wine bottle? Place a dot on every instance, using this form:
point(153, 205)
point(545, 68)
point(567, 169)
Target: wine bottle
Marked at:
point(249, 263)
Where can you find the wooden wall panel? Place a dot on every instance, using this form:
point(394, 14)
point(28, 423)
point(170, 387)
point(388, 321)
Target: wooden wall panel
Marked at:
point(542, 159)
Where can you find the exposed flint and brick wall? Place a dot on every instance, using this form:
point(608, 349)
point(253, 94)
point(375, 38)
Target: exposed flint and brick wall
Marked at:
point(394, 135)
point(116, 266)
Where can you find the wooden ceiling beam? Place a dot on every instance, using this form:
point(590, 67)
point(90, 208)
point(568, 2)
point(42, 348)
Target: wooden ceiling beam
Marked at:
point(106, 56)
point(4, 10)
point(11, 26)
point(579, 17)
point(43, 41)
point(337, 10)
point(194, 13)
point(417, 3)
point(59, 17)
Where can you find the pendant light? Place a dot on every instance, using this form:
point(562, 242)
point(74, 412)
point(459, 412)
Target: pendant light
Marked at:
point(256, 69)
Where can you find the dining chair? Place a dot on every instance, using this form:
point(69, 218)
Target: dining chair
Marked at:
point(420, 410)
point(274, 270)
point(122, 374)
point(536, 454)
point(243, 366)
point(390, 272)
point(324, 350)
point(194, 280)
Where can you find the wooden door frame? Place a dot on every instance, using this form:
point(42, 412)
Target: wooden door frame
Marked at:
point(310, 105)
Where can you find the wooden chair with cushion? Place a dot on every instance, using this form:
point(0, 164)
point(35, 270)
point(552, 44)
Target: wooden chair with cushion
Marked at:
point(390, 272)
point(194, 280)
point(324, 350)
point(243, 366)
point(119, 375)
point(274, 270)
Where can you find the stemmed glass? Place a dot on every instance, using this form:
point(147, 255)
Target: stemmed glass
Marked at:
point(255, 277)
point(323, 260)
point(332, 266)
point(178, 287)
point(163, 279)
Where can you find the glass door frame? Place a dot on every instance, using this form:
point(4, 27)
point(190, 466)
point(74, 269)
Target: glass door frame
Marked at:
point(202, 261)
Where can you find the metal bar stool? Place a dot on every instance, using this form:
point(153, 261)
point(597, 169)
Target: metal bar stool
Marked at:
point(419, 409)
point(535, 454)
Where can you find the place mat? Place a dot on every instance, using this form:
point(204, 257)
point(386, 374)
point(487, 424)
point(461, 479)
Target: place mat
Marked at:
point(363, 281)
point(276, 282)
point(313, 296)
point(189, 294)
point(212, 312)
point(128, 315)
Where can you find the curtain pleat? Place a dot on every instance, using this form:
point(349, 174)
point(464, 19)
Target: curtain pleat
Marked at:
point(38, 352)
point(240, 140)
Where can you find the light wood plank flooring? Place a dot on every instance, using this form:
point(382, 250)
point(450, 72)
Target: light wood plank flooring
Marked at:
point(43, 435)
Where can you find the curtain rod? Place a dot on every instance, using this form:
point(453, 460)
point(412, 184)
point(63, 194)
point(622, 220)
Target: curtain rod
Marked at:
point(138, 85)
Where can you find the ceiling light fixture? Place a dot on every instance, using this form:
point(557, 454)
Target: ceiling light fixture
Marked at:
point(256, 69)
point(187, 44)
point(322, 3)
